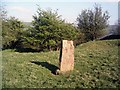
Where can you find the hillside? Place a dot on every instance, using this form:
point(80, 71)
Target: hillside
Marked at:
point(111, 28)
point(96, 65)
point(27, 23)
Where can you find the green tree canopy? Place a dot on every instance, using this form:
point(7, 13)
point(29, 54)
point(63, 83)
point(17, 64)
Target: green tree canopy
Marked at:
point(93, 22)
point(11, 31)
point(47, 30)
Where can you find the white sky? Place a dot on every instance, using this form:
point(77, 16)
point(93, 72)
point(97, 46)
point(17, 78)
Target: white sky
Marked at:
point(25, 9)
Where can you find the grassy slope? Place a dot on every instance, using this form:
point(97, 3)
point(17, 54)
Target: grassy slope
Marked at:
point(96, 65)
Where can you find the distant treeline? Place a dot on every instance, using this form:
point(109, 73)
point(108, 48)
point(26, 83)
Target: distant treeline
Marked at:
point(48, 29)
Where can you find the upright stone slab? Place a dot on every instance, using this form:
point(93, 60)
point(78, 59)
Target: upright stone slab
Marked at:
point(66, 56)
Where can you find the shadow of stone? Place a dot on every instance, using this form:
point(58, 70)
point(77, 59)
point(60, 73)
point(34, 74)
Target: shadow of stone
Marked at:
point(47, 65)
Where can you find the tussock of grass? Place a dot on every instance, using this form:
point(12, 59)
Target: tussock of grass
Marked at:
point(96, 65)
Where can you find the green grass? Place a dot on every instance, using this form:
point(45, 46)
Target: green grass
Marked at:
point(96, 65)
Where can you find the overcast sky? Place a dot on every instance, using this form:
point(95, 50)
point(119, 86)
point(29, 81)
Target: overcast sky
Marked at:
point(69, 9)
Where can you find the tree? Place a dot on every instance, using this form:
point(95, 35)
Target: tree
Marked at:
point(47, 31)
point(93, 22)
point(3, 13)
point(11, 31)
point(3, 17)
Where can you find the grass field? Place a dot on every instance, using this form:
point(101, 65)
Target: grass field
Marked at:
point(96, 65)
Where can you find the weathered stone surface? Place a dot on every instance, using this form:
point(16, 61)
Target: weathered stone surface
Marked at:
point(66, 56)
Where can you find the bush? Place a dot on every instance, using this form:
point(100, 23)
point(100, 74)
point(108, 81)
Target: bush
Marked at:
point(47, 31)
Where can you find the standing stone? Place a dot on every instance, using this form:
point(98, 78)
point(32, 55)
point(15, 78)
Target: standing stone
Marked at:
point(66, 56)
